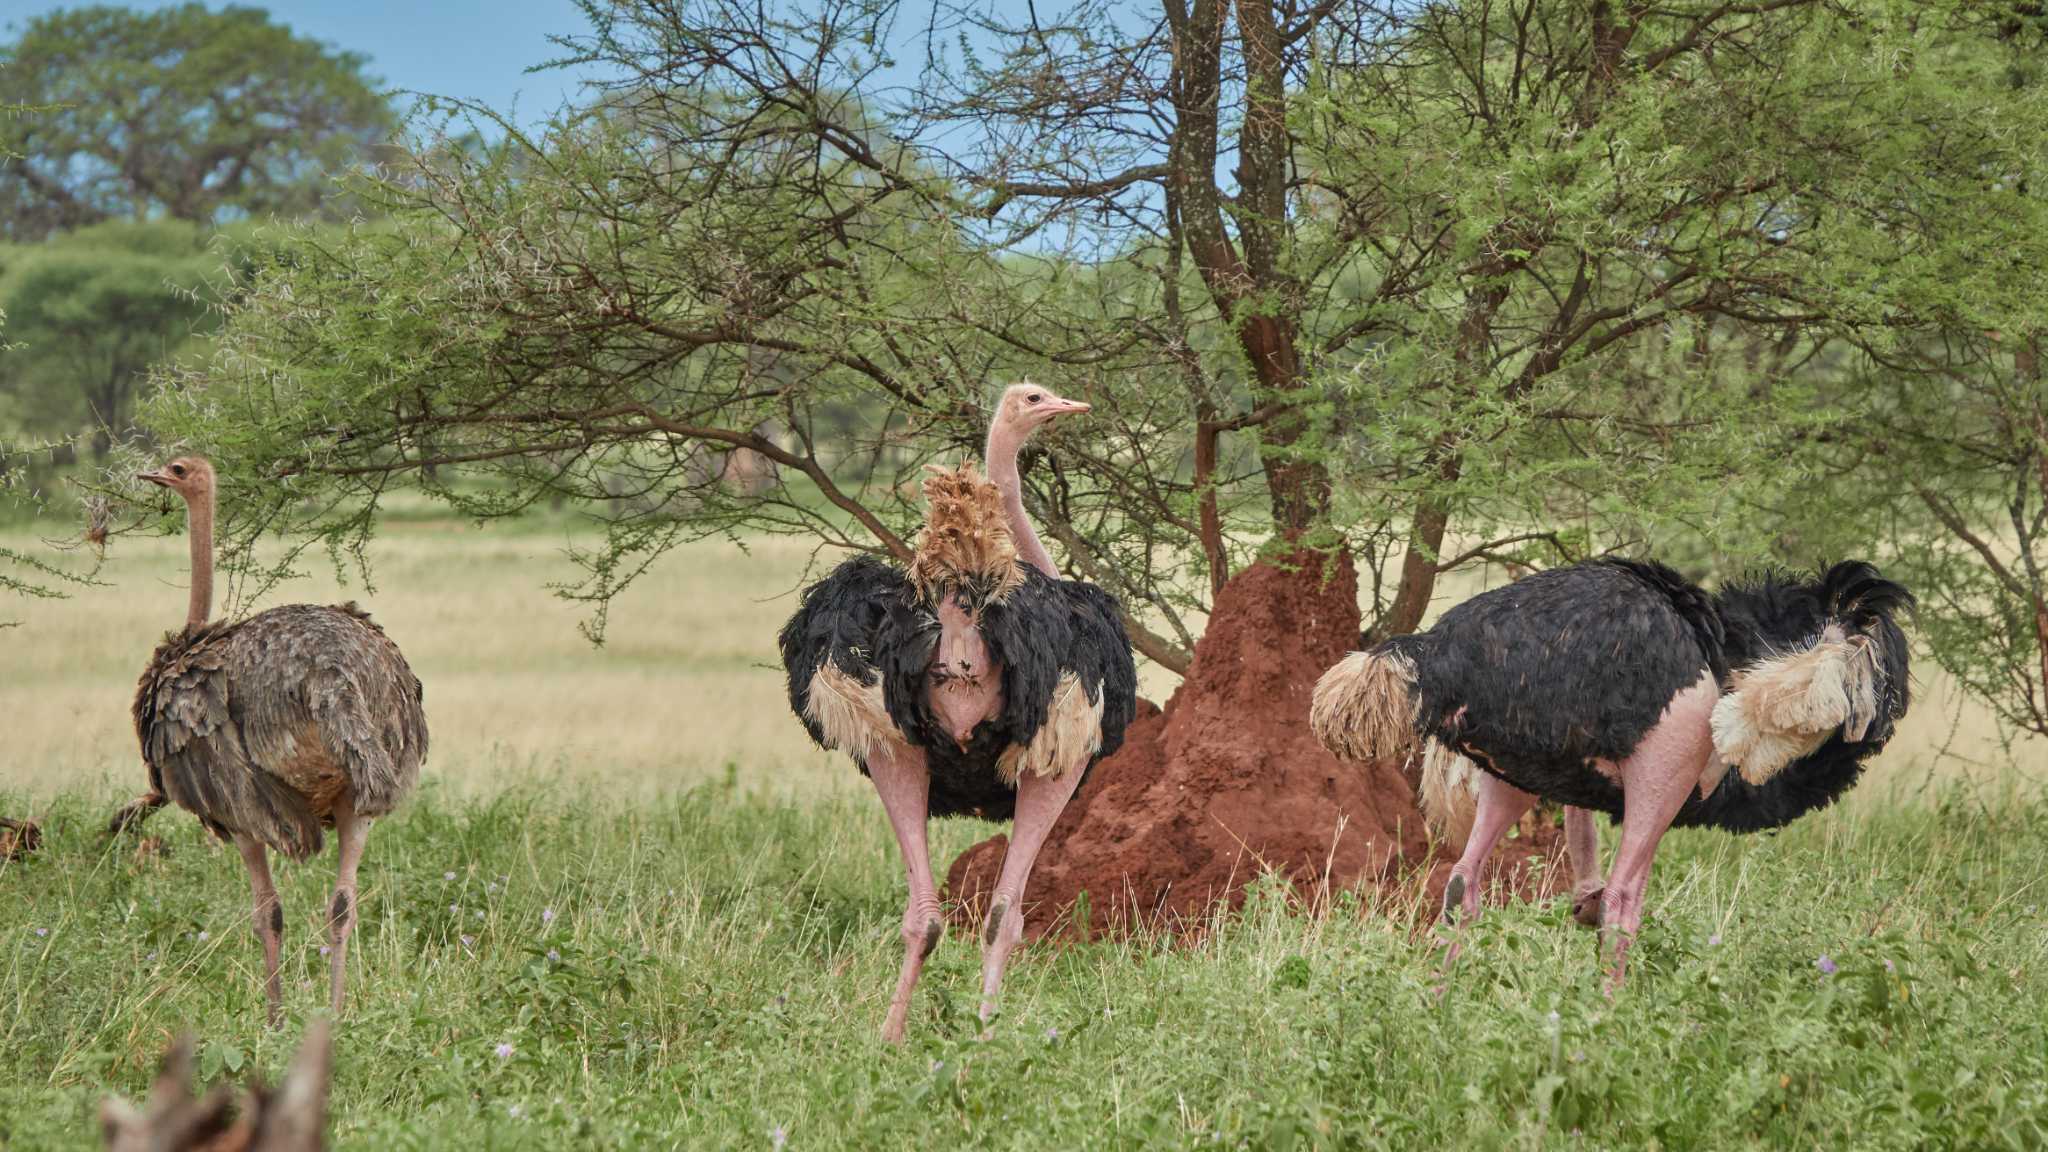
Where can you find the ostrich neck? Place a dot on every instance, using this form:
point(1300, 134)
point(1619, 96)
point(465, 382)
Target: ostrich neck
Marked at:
point(1001, 461)
point(199, 528)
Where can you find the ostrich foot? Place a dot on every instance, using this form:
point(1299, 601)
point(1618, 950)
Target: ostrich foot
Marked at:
point(1586, 907)
point(1004, 932)
point(918, 945)
point(1454, 899)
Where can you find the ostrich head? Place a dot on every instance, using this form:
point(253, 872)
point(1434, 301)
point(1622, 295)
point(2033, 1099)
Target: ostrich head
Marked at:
point(188, 476)
point(1025, 408)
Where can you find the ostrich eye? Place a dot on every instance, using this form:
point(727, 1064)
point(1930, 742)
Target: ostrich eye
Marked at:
point(177, 469)
point(1033, 398)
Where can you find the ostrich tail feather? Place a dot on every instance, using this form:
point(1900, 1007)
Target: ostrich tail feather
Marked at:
point(1450, 793)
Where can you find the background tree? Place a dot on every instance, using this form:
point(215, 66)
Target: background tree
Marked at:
point(183, 112)
point(89, 312)
point(1433, 286)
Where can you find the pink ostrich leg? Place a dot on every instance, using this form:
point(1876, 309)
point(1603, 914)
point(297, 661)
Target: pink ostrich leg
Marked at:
point(1582, 845)
point(904, 783)
point(1500, 805)
point(1655, 781)
point(1040, 800)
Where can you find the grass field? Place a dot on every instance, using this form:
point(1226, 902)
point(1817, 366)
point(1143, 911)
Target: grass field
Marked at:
point(630, 867)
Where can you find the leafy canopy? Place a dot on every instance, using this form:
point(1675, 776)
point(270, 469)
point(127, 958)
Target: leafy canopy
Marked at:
point(183, 112)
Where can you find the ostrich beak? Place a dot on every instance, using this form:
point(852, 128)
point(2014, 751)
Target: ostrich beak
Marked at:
point(154, 478)
point(1059, 407)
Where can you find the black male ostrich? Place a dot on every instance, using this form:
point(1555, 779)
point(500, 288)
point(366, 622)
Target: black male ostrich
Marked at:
point(268, 727)
point(1620, 687)
point(978, 682)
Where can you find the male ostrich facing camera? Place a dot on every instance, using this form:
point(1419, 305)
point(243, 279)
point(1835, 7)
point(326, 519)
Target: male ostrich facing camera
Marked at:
point(977, 682)
point(1620, 687)
point(269, 727)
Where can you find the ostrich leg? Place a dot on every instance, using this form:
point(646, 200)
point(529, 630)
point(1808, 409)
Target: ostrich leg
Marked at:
point(351, 830)
point(904, 782)
point(267, 917)
point(1655, 781)
point(1500, 805)
point(1582, 844)
point(1040, 800)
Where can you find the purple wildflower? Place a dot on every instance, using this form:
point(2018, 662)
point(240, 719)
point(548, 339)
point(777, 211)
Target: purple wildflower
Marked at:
point(454, 910)
point(42, 931)
point(1714, 941)
point(505, 1051)
point(547, 915)
point(1052, 1033)
point(778, 1138)
point(1826, 964)
point(469, 941)
point(325, 949)
point(1888, 966)
point(204, 935)
point(447, 875)
point(554, 957)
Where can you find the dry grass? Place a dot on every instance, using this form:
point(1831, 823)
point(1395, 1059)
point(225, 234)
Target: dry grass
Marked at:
point(685, 685)
point(686, 688)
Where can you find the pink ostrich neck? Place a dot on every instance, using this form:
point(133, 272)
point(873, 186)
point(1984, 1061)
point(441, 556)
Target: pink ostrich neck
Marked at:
point(1001, 461)
point(199, 528)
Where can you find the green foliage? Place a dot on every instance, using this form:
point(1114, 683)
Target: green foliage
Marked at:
point(716, 969)
point(203, 116)
point(89, 312)
point(1540, 281)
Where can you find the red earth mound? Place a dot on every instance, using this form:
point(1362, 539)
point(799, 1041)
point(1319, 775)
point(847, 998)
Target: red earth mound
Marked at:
point(1227, 782)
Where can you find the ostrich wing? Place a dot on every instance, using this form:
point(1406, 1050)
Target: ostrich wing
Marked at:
point(1048, 631)
point(320, 689)
point(256, 726)
point(195, 752)
point(1101, 655)
point(1563, 667)
point(849, 630)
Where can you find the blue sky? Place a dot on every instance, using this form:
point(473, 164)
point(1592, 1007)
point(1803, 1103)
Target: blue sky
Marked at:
point(478, 49)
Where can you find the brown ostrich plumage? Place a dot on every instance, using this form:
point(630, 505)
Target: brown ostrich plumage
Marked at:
point(966, 540)
point(271, 727)
point(258, 726)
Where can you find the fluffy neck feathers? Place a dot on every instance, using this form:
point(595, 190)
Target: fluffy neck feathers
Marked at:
point(967, 542)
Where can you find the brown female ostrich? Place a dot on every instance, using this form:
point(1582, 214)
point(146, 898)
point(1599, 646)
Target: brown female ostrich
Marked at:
point(1620, 687)
point(266, 728)
point(977, 682)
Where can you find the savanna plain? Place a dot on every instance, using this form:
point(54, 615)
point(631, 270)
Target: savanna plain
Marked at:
point(632, 906)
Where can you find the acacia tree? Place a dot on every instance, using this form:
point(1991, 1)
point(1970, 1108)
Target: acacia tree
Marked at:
point(1340, 276)
point(181, 112)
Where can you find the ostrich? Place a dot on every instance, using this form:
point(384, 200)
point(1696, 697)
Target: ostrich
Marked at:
point(976, 682)
point(1620, 687)
point(268, 727)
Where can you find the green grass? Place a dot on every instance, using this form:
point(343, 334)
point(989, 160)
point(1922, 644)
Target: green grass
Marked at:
point(718, 962)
